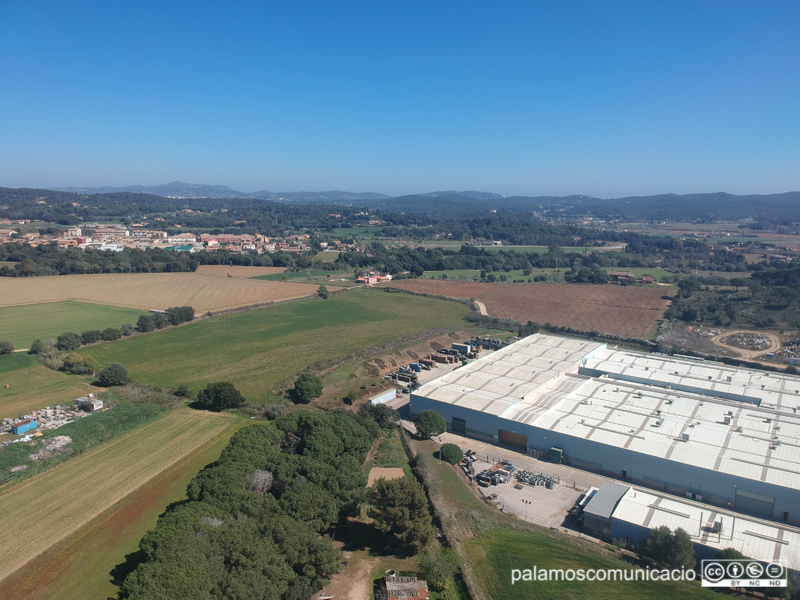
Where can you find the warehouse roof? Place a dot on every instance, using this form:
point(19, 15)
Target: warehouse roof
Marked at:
point(605, 500)
point(536, 381)
point(753, 537)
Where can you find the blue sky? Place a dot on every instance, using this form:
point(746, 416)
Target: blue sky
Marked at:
point(511, 96)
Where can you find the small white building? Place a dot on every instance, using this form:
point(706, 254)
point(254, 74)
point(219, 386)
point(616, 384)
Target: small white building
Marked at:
point(90, 402)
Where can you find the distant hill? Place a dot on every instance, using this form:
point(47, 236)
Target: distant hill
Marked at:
point(180, 189)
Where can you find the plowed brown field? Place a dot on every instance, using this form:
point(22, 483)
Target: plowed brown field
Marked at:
point(611, 309)
point(144, 291)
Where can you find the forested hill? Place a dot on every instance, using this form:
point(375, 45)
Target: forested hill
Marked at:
point(690, 207)
point(180, 189)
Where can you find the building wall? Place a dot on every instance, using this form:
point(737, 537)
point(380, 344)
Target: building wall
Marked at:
point(640, 469)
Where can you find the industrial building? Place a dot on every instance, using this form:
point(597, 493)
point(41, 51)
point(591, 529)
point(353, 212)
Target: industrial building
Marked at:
point(719, 434)
point(630, 513)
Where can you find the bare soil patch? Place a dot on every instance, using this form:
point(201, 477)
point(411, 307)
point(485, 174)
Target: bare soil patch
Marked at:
point(387, 473)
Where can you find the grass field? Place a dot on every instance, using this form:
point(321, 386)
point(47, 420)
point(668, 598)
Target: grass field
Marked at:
point(7, 263)
point(33, 386)
point(296, 275)
point(327, 256)
point(238, 271)
point(257, 350)
point(78, 567)
point(493, 543)
point(537, 249)
point(494, 554)
point(57, 503)
point(144, 291)
point(20, 325)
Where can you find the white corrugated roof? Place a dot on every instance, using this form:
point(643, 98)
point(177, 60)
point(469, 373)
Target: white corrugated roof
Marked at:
point(753, 537)
point(535, 381)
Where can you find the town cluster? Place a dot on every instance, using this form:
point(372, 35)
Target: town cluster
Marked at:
point(117, 237)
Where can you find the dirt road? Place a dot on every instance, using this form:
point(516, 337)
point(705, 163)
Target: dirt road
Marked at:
point(774, 339)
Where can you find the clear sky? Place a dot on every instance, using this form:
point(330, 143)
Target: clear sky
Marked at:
point(605, 98)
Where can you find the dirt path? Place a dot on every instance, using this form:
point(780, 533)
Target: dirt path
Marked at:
point(481, 308)
point(355, 582)
point(774, 339)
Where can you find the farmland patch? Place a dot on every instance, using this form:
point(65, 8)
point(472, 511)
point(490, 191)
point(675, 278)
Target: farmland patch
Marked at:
point(238, 271)
point(22, 324)
point(57, 503)
point(257, 350)
point(609, 309)
point(145, 291)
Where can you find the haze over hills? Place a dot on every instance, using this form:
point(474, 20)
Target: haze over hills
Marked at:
point(180, 189)
point(706, 207)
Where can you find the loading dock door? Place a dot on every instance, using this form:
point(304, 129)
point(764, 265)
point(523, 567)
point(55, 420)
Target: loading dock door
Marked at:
point(754, 503)
point(513, 440)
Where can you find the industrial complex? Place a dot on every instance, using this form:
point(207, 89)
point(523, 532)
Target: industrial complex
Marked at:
point(704, 431)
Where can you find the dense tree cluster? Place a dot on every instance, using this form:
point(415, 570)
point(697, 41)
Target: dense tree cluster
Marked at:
point(400, 508)
point(253, 522)
point(306, 388)
point(219, 396)
point(112, 375)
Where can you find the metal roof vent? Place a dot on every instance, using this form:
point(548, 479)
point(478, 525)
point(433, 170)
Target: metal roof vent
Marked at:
point(739, 429)
point(685, 436)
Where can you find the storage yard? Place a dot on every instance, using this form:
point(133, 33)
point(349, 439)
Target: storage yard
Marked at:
point(717, 433)
point(610, 309)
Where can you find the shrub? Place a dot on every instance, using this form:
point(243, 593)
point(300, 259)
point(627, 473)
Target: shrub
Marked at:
point(6, 347)
point(127, 329)
point(110, 334)
point(322, 292)
point(182, 391)
point(37, 347)
point(451, 453)
point(91, 336)
point(113, 375)
point(430, 423)
point(351, 397)
point(385, 416)
point(68, 341)
point(145, 324)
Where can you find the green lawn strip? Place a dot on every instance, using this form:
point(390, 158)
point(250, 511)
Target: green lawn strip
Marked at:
point(257, 350)
point(22, 324)
point(293, 275)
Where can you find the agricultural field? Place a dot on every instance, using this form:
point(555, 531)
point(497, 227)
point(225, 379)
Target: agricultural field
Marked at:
point(32, 386)
point(144, 291)
point(56, 503)
point(297, 275)
point(238, 271)
point(257, 350)
point(20, 325)
point(610, 309)
point(80, 566)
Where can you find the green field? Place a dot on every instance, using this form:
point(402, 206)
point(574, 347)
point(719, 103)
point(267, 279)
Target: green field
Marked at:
point(20, 325)
point(31, 385)
point(296, 276)
point(257, 350)
point(494, 554)
point(328, 256)
point(537, 249)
